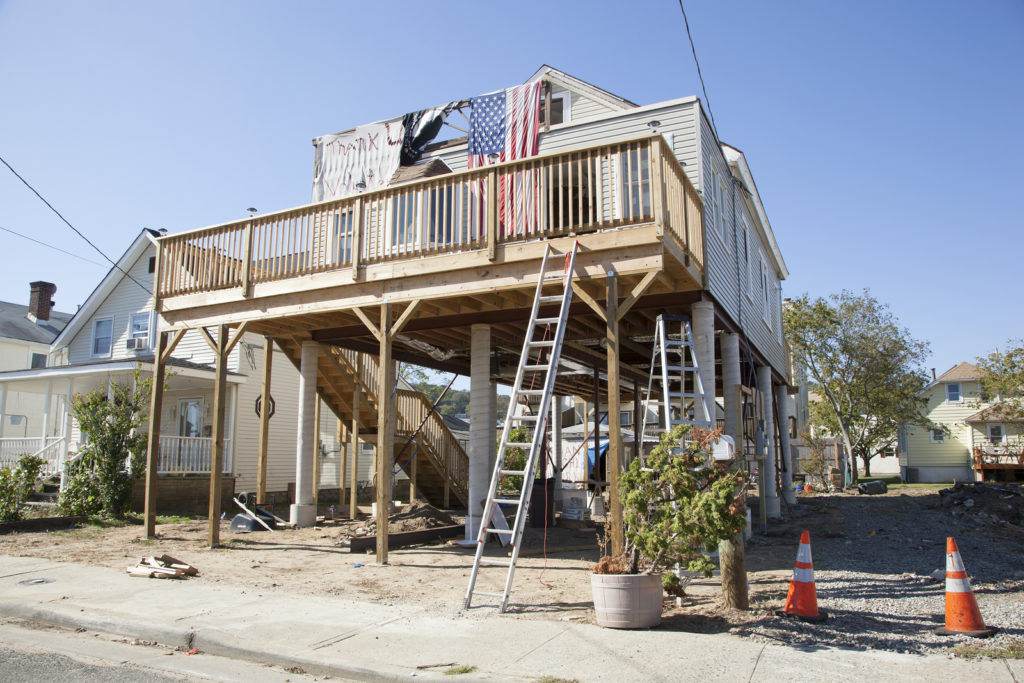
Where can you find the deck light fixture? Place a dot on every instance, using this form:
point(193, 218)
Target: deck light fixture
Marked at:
point(654, 125)
point(493, 157)
point(361, 186)
point(252, 211)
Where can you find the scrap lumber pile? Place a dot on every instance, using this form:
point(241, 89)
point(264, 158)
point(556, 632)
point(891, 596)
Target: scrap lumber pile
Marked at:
point(163, 567)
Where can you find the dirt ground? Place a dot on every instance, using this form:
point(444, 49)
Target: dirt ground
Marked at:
point(552, 577)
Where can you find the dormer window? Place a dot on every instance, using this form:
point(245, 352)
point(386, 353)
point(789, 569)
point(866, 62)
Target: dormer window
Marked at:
point(953, 392)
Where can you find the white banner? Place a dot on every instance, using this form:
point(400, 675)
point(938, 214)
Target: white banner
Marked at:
point(369, 154)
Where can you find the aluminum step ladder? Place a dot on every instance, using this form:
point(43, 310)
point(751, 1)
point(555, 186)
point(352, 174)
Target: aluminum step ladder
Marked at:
point(675, 380)
point(534, 385)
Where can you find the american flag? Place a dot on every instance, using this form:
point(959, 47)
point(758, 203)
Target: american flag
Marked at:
point(507, 123)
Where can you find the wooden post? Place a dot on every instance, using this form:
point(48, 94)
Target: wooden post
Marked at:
point(261, 457)
point(357, 398)
point(156, 402)
point(316, 452)
point(385, 432)
point(658, 204)
point(491, 214)
point(217, 457)
point(412, 476)
point(342, 464)
point(614, 462)
point(247, 263)
point(357, 236)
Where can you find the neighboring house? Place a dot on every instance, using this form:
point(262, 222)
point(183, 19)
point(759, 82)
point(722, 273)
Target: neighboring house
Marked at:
point(109, 339)
point(965, 426)
point(26, 333)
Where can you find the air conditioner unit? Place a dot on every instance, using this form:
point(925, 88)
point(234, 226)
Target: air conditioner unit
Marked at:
point(137, 344)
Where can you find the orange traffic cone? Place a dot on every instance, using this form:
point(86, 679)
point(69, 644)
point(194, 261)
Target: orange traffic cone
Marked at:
point(802, 600)
point(962, 615)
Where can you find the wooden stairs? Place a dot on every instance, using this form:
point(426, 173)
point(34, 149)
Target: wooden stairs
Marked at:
point(441, 465)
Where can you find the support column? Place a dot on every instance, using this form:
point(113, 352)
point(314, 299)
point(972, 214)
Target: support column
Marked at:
point(217, 457)
point(46, 409)
point(3, 407)
point(357, 398)
point(731, 555)
point(339, 436)
point(614, 464)
point(782, 400)
point(773, 509)
point(67, 431)
point(481, 426)
point(730, 388)
point(156, 403)
point(703, 314)
point(303, 511)
point(264, 443)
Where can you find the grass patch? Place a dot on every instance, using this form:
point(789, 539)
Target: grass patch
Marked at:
point(459, 670)
point(1014, 650)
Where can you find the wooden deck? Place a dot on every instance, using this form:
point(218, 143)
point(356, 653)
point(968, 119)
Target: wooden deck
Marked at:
point(455, 250)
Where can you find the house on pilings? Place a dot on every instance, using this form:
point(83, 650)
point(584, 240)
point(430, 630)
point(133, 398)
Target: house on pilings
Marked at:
point(438, 267)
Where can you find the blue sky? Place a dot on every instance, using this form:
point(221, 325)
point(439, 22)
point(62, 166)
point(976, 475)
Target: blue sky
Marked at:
point(884, 137)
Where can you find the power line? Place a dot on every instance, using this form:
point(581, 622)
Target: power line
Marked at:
point(32, 239)
point(76, 231)
point(699, 75)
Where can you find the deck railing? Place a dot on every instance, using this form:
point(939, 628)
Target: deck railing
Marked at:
point(625, 183)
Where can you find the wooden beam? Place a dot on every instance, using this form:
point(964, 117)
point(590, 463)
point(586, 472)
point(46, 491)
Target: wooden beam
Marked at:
point(156, 402)
point(217, 457)
point(403, 319)
point(171, 345)
point(637, 292)
point(374, 330)
point(589, 300)
point(357, 399)
point(614, 462)
point(264, 442)
point(385, 432)
point(210, 341)
point(237, 336)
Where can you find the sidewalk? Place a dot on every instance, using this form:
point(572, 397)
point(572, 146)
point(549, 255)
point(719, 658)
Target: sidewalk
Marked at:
point(372, 641)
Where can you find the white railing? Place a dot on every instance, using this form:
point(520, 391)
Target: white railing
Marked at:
point(189, 455)
point(50, 449)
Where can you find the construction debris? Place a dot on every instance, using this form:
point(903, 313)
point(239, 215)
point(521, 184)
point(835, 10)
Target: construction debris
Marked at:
point(163, 567)
point(983, 503)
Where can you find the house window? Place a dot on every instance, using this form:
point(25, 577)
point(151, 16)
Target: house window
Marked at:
point(938, 436)
point(561, 105)
point(151, 268)
point(140, 331)
point(38, 360)
point(766, 311)
point(953, 393)
point(102, 336)
point(995, 434)
point(625, 418)
point(748, 255)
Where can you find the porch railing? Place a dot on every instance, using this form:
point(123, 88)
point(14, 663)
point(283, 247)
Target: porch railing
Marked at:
point(50, 449)
point(567, 193)
point(190, 455)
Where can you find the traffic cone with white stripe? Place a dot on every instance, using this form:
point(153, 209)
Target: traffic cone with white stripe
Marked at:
point(802, 600)
point(962, 614)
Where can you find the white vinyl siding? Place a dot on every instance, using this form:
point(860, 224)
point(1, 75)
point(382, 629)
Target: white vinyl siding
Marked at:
point(953, 450)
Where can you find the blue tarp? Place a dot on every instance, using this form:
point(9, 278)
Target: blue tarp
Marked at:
point(590, 455)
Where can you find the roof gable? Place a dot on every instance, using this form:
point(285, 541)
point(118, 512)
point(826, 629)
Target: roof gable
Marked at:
point(582, 87)
point(114, 277)
point(960, 371)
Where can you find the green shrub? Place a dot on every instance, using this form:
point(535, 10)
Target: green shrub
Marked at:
point(18, 485)
point(81, 492)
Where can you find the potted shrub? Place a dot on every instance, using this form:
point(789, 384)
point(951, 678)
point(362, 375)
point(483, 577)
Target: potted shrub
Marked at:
point(677, 504)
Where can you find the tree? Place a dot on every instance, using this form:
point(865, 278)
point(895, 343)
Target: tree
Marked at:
point(1002, 379)
point(867, 368)
point(114, 454)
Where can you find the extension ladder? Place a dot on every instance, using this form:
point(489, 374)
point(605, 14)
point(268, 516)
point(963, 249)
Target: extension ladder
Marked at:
point(675, 366)
point(534, 383)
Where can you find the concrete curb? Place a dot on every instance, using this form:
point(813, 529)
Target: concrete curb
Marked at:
point(187, 638)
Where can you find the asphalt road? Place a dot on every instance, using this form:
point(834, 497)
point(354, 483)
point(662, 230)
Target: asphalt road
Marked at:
point(31, 652)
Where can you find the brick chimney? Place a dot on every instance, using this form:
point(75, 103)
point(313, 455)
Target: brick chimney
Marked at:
point(40, 303)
